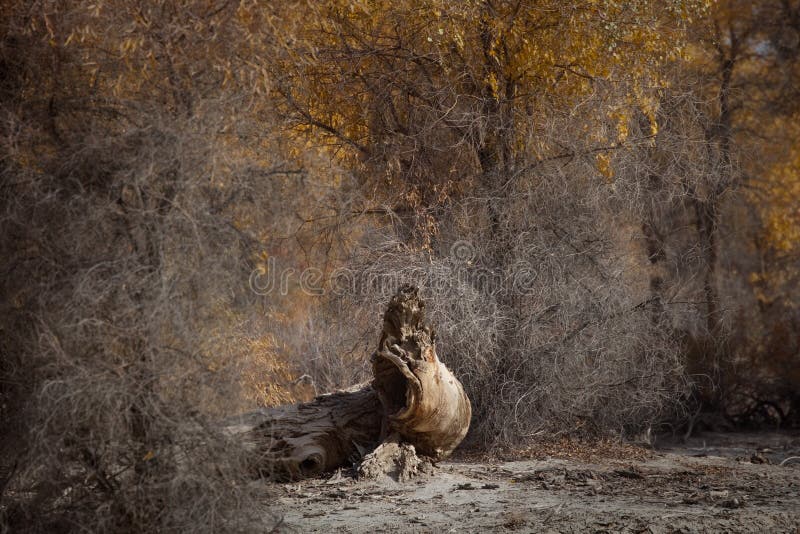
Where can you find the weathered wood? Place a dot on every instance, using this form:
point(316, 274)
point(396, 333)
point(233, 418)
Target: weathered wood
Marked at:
point(422, 400)
point(413, 398)
point(394, 459)
point(304, 440)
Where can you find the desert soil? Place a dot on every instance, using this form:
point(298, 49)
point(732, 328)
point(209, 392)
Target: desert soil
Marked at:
point(713, 483)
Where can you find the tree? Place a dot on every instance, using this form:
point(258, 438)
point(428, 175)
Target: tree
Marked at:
point(428, 100)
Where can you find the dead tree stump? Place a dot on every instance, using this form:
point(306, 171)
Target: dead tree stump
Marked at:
point(412, 399)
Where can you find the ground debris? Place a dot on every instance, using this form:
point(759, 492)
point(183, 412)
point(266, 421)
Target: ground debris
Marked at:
point(470, 486)
point(666, 491)
point(721, 498)
point(629, 473)
point(395, 460)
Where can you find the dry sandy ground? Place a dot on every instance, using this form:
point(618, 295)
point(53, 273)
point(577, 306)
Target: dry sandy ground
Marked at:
point(725, 483)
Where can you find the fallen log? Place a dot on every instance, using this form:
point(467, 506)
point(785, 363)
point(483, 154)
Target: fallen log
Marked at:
point(412, 399)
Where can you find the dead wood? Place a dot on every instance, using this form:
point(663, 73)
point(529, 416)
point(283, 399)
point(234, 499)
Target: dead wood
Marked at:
point(394, 459)
point(414, 404)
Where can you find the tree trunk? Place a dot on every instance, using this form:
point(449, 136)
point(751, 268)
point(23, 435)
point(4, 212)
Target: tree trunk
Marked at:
point(305, 440)
point(412, 395)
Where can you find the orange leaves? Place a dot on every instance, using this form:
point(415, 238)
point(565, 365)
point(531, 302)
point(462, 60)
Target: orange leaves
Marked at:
point(781, 209)
point(603, 164)
point(545, 49)
point(266, 374)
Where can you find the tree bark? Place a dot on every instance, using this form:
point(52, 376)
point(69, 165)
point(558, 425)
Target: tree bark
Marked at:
point(412, 398)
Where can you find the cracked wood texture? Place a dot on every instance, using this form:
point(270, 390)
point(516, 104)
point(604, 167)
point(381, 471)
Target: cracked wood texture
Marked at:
point(412, 395)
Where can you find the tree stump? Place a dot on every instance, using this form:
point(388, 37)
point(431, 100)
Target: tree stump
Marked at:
point(413, 399)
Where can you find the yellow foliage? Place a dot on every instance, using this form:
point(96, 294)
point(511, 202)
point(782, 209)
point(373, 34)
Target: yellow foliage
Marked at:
point(356, 76)
point(267, 377)
point(781, 209)
point(603, 164)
